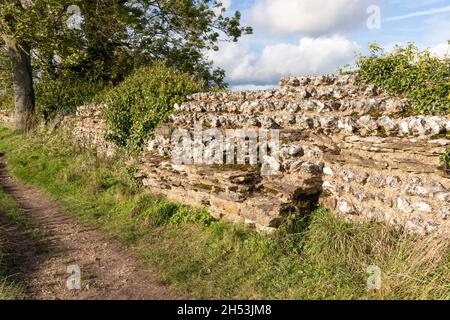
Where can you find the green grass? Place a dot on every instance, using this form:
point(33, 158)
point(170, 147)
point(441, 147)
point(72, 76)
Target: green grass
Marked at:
point(9, 289)
point(322, 257)
point(17, 216)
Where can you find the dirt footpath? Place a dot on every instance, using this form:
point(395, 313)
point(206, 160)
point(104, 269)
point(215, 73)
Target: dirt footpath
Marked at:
point(108, 271)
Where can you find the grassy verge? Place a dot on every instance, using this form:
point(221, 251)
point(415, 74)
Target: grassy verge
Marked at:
point(17, 216)
point(8, 289)
point(326, 259)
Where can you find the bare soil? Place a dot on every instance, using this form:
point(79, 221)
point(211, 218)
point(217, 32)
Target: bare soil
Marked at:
point(108, 270)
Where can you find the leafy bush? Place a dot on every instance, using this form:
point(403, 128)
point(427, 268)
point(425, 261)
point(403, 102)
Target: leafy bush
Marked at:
point(410, 72)
point(143, 100)
point(63, 96)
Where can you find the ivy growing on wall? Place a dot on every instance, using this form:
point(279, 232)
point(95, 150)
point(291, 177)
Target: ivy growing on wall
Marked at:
point(410, 72)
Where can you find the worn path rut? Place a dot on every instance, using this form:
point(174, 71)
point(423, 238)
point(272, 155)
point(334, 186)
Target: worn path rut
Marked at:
point(108, 271)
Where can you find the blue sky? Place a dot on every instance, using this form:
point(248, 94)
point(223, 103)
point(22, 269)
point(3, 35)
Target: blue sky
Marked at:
point(293, 37)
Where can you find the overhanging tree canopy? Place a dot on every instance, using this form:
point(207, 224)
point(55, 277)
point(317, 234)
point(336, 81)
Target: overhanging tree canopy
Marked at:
point(104, 40)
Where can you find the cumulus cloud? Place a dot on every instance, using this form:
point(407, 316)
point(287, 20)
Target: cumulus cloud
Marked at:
point(441, 50)
point(226, 4)
point(253, 87)
point(310, 17)
point(309, 56)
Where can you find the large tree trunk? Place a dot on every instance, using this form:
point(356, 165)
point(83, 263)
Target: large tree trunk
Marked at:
point(22, 83)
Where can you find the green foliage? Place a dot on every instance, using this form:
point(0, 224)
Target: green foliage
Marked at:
point(410, 72)
point(17, 215)
point(116, 37)
point(323, 258)
point(64, 96)
point(8, 289)
point(185, 215)
point(161, 213)
point(144, 100)
point(13, 211)
point(445, 159)
point(6, 100)
point(6, 90)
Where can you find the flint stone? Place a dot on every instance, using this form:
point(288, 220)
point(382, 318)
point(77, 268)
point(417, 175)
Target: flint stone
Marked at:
point(444, 212)
point(376, 181)
point(424, 207)
point(328, 171)
point(368, 123)
point(404, 205)
point(394, 182)
point(346, 207)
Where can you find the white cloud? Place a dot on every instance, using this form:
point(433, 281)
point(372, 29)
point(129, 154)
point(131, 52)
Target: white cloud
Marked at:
point(309, 56)
point(253, 87)
point(441, 50)
point(226, 4)
point(311, 17)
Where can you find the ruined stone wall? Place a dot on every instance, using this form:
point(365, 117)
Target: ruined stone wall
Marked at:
point(7, 116)
point(342, 144)
point(88, 128)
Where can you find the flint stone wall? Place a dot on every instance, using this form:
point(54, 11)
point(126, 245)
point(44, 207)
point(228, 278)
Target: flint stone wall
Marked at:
point(342, 144)
point(7, 116)
point(88, 128)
